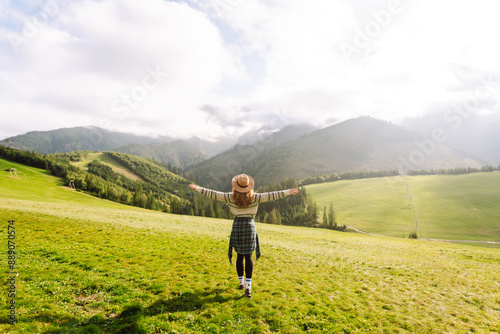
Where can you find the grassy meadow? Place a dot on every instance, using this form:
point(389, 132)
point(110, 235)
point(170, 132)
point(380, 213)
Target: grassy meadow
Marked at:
point(455, 207)
point(87, 265)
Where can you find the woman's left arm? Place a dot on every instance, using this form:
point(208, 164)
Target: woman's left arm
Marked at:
point(272, 196)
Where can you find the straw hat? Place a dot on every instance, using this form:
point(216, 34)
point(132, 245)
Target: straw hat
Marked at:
point(242, 183)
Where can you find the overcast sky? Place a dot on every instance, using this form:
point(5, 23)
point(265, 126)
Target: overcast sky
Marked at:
point(223, 67)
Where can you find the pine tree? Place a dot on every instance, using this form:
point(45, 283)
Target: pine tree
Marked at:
point(150, 201)
point(195, 208)
point(332, 219)
point(144, 199)
point(314, 214)
point(272, 219)
point(330, 215)
point(174, 206)
point(209, 212)
point(217, 210)
point(325, 217)
point(138, 196)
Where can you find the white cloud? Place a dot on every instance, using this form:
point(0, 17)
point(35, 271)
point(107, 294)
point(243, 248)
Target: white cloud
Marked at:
point(167, 57)
point(230, 66)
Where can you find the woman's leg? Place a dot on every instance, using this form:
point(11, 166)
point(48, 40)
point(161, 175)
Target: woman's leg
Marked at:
point(239, 270)
point(248, 272)
point(239, 264)
point(248, 265)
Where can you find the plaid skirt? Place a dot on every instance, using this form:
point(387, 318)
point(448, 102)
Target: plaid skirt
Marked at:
point(244, 238)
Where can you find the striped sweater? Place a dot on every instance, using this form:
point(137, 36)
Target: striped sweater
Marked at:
point(249, 211)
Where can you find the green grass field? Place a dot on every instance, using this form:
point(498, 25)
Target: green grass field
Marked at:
point(456, 207)
point(87, 265)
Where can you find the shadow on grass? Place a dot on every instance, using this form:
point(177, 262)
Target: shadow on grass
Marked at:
point(128, 320)
point(47, 317)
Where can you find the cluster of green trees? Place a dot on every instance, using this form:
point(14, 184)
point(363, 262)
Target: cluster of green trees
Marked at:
point(298, 210)
point(205, 207)
point(25, 157)
point(74, 156)
point(330, 219)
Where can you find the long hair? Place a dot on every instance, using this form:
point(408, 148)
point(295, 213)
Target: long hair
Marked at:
point(242, 200)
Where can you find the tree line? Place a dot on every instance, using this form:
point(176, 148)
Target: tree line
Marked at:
point(347, 176)
point(454, 171)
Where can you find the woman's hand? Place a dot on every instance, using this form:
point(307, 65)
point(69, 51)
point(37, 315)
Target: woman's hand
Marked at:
point(192, 186)
point(294, 191)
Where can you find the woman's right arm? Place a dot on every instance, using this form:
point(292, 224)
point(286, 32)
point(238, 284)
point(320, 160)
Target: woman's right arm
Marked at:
point(217, 195)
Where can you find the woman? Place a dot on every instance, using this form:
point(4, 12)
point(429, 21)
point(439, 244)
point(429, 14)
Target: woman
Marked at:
point(244, 203)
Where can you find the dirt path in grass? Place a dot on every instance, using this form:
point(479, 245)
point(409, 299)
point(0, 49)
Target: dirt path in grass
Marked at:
point(467, 241)
point(442, 240)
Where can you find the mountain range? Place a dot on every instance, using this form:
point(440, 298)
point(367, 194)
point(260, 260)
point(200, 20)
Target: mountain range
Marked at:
point(360, 144)
point(295, 151)
point(77, 139)
point(164, 149)
point(178, 153)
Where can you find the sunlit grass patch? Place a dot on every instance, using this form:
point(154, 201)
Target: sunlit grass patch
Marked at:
point(457, 207)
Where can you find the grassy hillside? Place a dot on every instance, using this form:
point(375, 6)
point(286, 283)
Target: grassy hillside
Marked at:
point(107, 160)
point(459, 207)
point(377, 205)
point(92, 266)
